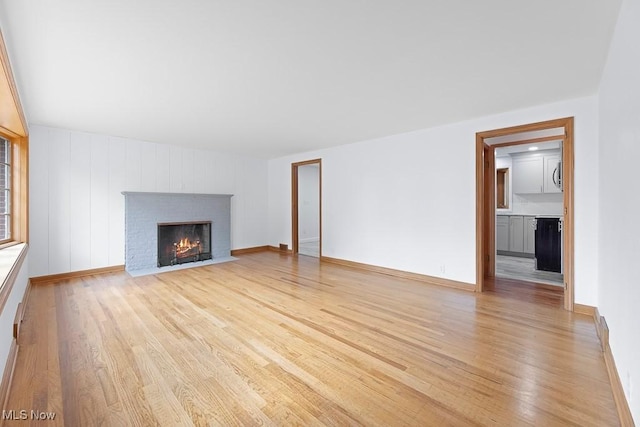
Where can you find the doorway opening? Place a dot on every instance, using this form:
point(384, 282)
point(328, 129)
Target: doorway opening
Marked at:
point(556, 164)
point(306, 203)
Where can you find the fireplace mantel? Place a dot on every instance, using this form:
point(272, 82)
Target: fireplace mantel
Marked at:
point(145, 210)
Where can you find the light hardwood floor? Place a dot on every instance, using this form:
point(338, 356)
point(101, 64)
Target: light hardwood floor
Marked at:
point(279, 340)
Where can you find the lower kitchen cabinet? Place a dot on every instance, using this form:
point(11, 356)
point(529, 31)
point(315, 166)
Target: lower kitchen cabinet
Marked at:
point(502, 233)
point(515, 235)
point(529, 234)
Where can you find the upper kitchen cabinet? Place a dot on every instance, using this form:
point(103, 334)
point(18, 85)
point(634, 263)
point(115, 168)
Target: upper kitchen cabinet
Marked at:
point(537, 173)
point(527, 174)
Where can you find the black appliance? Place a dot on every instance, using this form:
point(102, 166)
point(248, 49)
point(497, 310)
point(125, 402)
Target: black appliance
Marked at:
point(548, 244)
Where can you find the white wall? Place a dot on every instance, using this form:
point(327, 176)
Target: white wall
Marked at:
point(76, 205)
point(408, 201)
point(309, 203)
point(620, 200)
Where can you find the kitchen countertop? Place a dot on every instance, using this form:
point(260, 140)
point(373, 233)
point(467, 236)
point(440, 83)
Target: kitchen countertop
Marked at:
point(513, 214)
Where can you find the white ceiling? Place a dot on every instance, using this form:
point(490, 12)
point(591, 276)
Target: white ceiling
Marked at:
point(269, 78)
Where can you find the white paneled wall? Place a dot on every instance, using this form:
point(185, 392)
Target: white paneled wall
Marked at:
point(76, 205)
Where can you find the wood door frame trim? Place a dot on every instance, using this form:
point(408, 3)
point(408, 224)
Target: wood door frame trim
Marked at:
point(294, 202)
point(13, 120)
point(486, 210)
point(13, 127)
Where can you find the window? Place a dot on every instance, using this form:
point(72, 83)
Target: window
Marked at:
point(5, 190)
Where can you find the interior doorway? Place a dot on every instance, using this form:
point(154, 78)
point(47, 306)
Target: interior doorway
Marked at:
point(486, 203)
point(306, 193)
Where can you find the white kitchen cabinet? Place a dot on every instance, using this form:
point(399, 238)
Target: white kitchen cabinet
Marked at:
point(552, 173)
point(529, 234)
point(502, 233)
point(537, 173)
point(516, 233)
point(527, 174)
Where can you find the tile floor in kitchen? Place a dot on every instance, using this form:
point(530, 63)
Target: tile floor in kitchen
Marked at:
point(524, 269)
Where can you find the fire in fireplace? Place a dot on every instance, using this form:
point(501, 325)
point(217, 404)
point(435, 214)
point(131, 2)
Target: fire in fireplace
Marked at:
point(179, 243)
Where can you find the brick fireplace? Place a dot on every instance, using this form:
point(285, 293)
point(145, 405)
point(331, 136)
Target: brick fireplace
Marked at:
point(164, 229)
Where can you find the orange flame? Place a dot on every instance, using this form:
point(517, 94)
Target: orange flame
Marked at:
point(185, 245)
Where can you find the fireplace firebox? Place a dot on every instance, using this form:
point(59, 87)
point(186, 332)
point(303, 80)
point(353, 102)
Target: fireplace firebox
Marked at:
point(179, 243)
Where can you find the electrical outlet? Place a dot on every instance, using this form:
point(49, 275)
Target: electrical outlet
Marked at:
point(442, 268)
